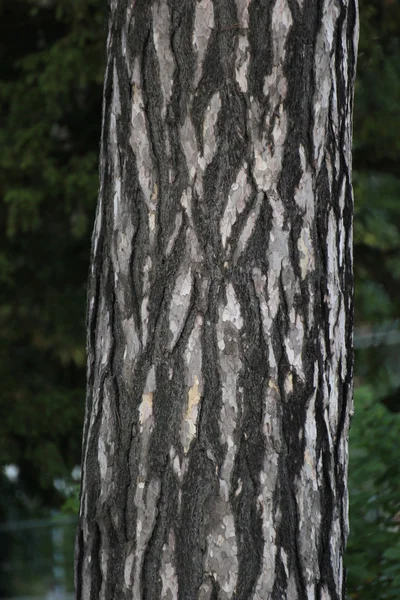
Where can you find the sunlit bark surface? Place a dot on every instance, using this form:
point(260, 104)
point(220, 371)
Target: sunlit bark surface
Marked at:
point(220, 304)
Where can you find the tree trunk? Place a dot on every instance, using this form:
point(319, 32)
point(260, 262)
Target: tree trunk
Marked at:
point(220, 304)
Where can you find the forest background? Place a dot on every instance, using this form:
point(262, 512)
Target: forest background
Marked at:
point(51, 69)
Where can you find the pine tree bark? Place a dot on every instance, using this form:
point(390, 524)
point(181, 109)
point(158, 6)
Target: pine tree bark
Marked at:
point(220, 304)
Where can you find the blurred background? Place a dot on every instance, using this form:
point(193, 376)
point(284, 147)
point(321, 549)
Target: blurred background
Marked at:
point(51, 69)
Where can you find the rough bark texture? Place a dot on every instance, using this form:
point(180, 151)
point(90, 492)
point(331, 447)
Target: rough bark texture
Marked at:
point(220, 304)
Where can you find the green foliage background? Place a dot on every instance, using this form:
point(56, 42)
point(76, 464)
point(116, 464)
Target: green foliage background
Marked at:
point(51, 69)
